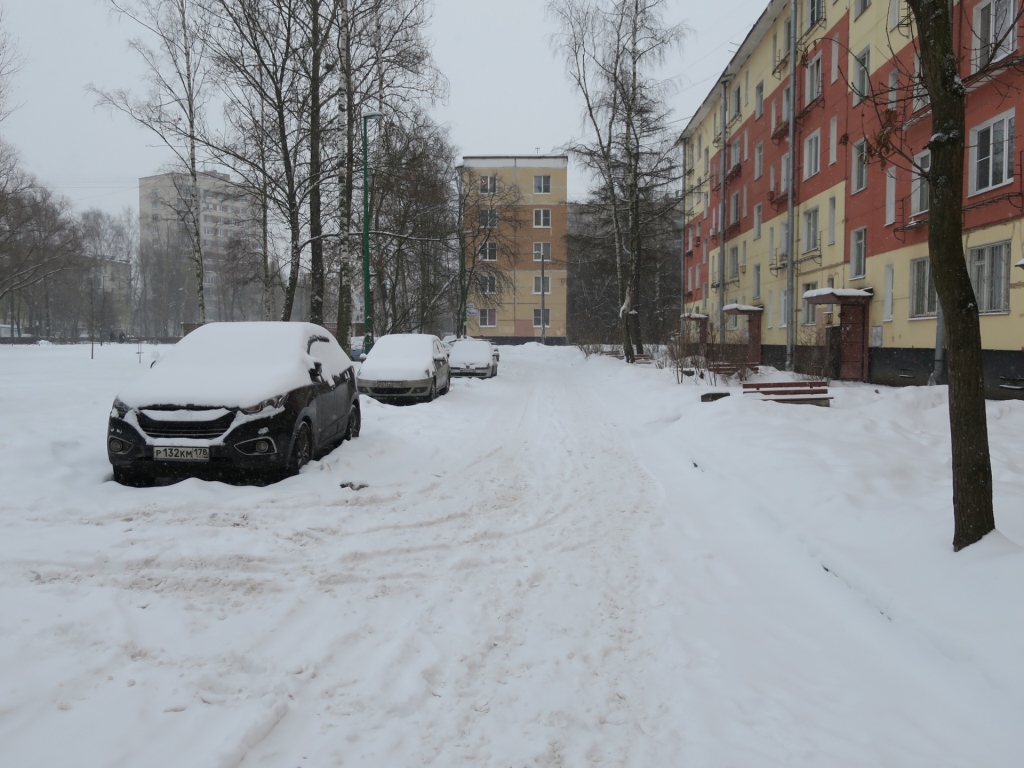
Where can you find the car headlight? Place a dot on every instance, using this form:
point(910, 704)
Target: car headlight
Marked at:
point(272, 402)
point(119, 408)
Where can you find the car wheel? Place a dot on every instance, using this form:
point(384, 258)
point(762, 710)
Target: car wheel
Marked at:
point(447, 386)
point(432, 394)
point(302, 448)
point(494, 371)
point(125, 476)
point(355, 422)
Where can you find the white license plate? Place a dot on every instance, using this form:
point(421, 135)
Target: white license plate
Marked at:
point(389, 384)
point(182, 454)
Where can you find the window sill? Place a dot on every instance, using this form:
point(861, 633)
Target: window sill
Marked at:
point(857, 277)
point(914, 318)
point(1000, 185)
point(996, 312)
point(858, 191)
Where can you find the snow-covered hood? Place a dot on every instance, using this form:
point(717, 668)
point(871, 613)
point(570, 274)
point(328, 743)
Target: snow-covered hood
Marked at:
point(391, 369)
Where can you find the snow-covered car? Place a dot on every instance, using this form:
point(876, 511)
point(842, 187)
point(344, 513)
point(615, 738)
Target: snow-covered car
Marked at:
point(405, 366)
point(258, 398)
point(473, 357)
point(450, 341)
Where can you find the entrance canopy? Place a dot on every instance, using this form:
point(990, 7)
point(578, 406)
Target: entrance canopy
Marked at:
point(839, 296)
point(741, 309)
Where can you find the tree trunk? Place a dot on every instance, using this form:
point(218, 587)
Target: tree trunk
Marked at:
point(971, 463)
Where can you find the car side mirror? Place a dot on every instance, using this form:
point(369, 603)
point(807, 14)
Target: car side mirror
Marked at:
point(362, 356)
point(315, 373)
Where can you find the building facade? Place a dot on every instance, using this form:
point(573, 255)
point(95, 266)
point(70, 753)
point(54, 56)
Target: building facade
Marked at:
point(228, 228)
point(800, 235)
point(514, 241)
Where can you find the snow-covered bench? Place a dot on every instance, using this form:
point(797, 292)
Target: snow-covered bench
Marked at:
point(811, 392)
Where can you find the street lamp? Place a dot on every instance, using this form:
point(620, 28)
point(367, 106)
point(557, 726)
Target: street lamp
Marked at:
point(367, 299)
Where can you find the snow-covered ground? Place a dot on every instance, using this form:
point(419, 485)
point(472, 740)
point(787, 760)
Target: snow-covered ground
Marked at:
point(577, 563)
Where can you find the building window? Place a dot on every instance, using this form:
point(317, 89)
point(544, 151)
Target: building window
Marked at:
point(759, 100)
point(787, 103)
point(858, 252)
point(992, 153)
point(890, 195)
point(541, 185)
point(542, 251)
point(488, 318)
point(783, 308)
point(921, 98)
point(813, 88)
point(859, 6)
point(488, 218)
point(757, 221)
point(734, 208)
point(759, 160)
point(995, 33)
point(921, 194)
point(736, 102)
point(812, 154)
point(922, 289)
point(488, 185)
point(811, 242)
point(990, 274)
point(894, 14)
point(861, 75)
point(860, 165)
point(734, 262)
point(488, 284)
point(488, 251)
point(757, 281)
point(542, 217)
point(537, 282)
point(887, 295)
point(810, 310)
point(831, 221)
point(815, 12)
point(547, 318)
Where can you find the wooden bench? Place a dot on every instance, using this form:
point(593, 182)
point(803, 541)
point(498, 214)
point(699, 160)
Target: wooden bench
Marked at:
point(729, 369)
point(640, 359)
point(811, 392)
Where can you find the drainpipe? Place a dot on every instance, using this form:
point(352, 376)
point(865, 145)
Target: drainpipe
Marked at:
point(721, 220)
point(791, 235)
point(682, 243)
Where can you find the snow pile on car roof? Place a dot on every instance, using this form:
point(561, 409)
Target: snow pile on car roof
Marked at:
point(229, 365)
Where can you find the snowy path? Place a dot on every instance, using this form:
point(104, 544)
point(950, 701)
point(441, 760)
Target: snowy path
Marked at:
point(573, 564)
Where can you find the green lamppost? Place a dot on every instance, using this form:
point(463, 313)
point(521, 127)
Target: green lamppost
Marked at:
point(367, 298)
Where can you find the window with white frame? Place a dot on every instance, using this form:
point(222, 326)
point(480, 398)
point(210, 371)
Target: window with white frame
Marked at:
point(861, 75)
point(859, 6)
point(990, 274)
point(784, 168)
point(734, 208)
point(887, 293)
point(894, 14)
point(488, 318)
point(921, 98)
point(833, 130)
point(812, 154)
point(858, 252)
point(488, 185)
point(542, 217)
point(542, 251)
point(757, 221)
point(894, 89)
point(787, 103)
point(921, 194)
point(834, 67)
point(488, 284)
point(860, 165)
point(995, 31)
point(922, 290)
point(488, 251)
point(734, 262)
point(783, 308)
point(992, 153)
point(759, 100)
point(736, 97)
point(541, 185)
point(813, 85)
point(547, 318)
point(759, 160)
point(756, 279)
point(815, 12)
point(539, 282)
point(488, 218)
point(810, 238)
point(831, 221)
point(770, 306)
point(810, 313)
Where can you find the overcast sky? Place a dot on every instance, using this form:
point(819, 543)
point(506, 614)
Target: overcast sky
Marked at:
point(508, 91)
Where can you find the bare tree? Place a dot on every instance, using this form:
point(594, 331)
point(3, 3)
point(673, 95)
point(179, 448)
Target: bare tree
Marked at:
point(176, 70)
point(10, 63)
point(612, 49)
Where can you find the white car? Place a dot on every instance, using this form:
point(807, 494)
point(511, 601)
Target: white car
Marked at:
point(405, 366)
point(473, 357)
